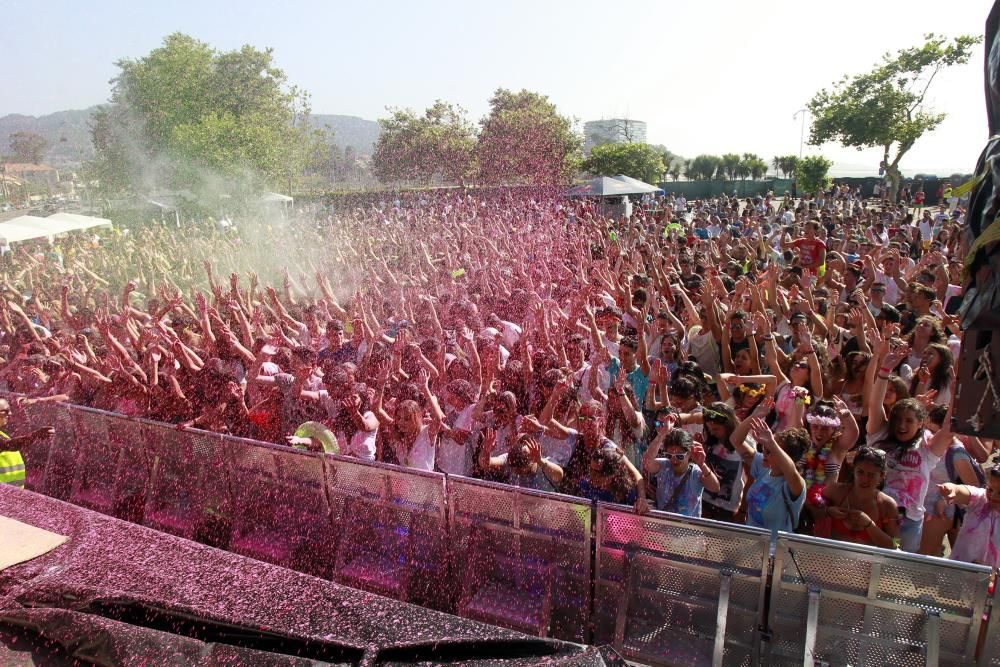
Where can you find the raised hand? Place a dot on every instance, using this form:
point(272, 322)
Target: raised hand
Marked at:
point(698, 455)
point(489, 441)
point(534, 450)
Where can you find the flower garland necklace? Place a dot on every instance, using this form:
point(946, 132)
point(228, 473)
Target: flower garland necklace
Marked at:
point(815, 465)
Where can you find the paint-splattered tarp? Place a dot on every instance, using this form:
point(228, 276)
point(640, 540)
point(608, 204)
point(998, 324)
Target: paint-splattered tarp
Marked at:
point(121, 594)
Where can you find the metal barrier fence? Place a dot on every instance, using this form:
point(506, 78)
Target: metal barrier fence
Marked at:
point(664, 589)
point(679, 590)
point(837, 603)
point(521, 558)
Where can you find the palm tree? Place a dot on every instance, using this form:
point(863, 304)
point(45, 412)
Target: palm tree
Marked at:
point(776, 162)
point(730, 165)
point(675, 168)
point(690, 170)
point(789, 163)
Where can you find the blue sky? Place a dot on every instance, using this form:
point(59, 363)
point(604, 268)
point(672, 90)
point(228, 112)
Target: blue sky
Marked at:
point(709, 76)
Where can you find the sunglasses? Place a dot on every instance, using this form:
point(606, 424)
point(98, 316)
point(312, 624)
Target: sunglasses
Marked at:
point(587, 418)
point(676, 457)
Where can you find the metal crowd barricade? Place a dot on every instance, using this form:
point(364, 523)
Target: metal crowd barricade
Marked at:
point(667, 590)
point(989, 652)
point(393, 530)
point(838, 603)
point(672, 590)
point(189, 493)
point(280, 513)
point(111, 465)
point(49, 461)
point(521, 558)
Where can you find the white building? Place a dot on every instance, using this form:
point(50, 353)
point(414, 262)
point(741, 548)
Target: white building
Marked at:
point(613, 131)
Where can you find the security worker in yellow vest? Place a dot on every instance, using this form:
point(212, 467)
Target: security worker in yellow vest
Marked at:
point(11, 463)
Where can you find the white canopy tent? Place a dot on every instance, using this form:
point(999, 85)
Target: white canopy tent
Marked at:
point(27, 227)
point(270, 197)
point(646, 187)
point(23, 228)
point(76, 221)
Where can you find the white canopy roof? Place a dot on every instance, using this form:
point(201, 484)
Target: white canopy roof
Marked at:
point(27, 227)
point(637, 183)
point(78, 221)
point(275, 197)
point(23, 228)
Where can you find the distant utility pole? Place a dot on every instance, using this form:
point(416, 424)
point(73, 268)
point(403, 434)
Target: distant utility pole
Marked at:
point(802, 132)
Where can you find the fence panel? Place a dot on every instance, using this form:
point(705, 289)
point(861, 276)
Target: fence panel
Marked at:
point(989, 655)
point(189, 484)
point(110, 464)
point(48, 462)
point(394, 531)
point(521, 558)
point(671, 590)
point(850, 604)
point(280, 513)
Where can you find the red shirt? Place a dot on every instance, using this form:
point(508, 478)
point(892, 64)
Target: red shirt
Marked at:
point(809, 251)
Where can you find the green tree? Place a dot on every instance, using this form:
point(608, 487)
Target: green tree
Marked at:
point(776, 163)
point(28, 147)
point(676, 168)
point(705, 167)
point(636, 160)
point(752, 166)
point(440, 143)
point(525, 140)
point(786, 164)
point(730, 166)
point(690, 171)
point(188, 116)
point(884, 108)
point(812, 174)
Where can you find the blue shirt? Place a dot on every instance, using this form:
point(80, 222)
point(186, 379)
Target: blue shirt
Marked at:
point(688, 499)
point(769, 501)
point(635, 377)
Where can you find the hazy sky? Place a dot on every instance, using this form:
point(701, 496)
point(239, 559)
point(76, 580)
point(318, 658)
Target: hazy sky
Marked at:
point(708, 76)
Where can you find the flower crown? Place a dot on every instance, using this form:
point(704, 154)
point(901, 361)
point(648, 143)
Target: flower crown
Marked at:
point(753, 393)
point(820, 420)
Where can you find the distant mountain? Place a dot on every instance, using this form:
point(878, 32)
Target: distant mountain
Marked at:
point(358, 133)
point(68, 133)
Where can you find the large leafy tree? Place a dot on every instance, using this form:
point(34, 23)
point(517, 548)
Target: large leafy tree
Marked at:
point(438, 144)
point(28, 146)
point(885, 107)
point(812, 173)
point(640, 161)
point(188, 116)
point(524, 139)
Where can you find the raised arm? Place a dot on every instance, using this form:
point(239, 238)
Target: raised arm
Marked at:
point(784, 463)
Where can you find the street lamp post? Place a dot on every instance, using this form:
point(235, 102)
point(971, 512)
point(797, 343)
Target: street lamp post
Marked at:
point(802, 131)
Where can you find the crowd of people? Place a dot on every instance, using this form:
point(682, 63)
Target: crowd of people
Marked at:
point(787, 364)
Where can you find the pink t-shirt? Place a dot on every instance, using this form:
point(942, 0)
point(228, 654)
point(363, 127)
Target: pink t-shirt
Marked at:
point(979, 539)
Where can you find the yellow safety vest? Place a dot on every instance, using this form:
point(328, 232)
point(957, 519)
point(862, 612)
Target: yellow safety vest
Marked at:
point(11, 466)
